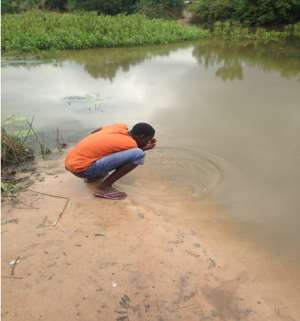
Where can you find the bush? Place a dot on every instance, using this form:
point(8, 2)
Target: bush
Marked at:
point(15, 6)
point(38, 30)
point(208, 12)
point(161, 8)
point(9, 6)
point(152, 8)
point(110, 7)
point(248, 12)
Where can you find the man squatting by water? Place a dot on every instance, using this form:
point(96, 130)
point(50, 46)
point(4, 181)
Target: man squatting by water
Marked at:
point(110, 152)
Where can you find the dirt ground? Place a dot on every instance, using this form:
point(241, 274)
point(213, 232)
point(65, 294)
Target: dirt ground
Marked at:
point(75, 257)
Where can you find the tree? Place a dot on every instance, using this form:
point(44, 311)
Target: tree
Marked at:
point(249, 12)
point(110, 7)
point(161, 8)
point(60, 5)
point(153, 8)
point(11, 6)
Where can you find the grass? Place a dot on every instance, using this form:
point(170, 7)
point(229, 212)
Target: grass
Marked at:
point(14, 146)
point(38, 30)
point(235, 31)
point(9, 189)
point(17, 139)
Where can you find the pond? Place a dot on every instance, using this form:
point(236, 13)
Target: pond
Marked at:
point(227, 118)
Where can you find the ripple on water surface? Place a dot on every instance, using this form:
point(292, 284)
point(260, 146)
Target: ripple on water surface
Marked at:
point(191, 172)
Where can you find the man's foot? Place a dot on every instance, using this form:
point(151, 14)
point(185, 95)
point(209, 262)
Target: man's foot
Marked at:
point(109, 192)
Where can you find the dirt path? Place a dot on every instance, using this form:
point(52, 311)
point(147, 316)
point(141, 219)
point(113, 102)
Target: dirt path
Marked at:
point(119, 261)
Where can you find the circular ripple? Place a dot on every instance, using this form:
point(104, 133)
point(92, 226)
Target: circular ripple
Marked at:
point(192, 172)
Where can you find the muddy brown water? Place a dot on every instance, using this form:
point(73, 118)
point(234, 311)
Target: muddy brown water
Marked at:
point(227, 119)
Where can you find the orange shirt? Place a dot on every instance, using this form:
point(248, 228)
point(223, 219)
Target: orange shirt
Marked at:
point(109, 140)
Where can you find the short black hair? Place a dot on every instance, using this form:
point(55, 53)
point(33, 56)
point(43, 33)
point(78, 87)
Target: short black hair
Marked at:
point(143, 129)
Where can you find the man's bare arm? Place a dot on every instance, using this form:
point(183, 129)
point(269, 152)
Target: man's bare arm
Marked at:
point(96, 130)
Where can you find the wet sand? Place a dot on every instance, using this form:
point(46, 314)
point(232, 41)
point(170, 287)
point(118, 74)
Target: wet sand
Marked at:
point(137, 259)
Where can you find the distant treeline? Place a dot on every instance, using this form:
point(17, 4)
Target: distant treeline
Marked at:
point(247, 12)
point(205, 12)
point(152, 8)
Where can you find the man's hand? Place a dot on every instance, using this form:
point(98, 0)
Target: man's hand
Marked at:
point(151, 144)
point(95, 130)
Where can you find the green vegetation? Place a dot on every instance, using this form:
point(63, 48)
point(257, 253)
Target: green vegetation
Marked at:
point(39, 30)
point(18, 141)
point(161, 8)
point(152, 8)
point(14, 142)
point(235, 32)
point(247, 12)
point(18, 144)
point(108, 7)
point(34, 31)
point(9, 188)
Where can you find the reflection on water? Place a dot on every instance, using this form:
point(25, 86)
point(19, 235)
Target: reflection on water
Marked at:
point(198, 171)
point(43, 88)
point(108, 62)
point(231, 57)
point(227, 118)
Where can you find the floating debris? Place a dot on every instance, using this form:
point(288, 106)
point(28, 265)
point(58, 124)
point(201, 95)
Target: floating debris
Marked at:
point(94, 98)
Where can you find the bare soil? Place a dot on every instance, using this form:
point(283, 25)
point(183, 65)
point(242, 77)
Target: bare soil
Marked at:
point(76, 257)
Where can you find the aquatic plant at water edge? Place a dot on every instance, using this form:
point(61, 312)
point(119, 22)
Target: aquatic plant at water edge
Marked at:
point(38, 30)
point(18, 139)
point(14, 142)
point(235, 31)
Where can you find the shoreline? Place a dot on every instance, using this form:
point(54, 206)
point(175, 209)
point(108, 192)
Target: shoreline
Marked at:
point(130, 260)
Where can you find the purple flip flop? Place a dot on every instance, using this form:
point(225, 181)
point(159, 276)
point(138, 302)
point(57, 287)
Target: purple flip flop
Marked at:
point(111, 195)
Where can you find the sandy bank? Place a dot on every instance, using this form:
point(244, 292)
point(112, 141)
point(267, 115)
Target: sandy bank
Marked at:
point(127, 260)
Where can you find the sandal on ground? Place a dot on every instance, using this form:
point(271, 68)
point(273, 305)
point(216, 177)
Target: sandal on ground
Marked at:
point(111, 195)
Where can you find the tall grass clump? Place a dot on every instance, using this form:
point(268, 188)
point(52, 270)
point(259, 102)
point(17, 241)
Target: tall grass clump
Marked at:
point(37, 30)
point(14, 142)
point(18, 139)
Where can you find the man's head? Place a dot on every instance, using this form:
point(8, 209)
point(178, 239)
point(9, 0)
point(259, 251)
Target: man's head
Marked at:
point(142, 133)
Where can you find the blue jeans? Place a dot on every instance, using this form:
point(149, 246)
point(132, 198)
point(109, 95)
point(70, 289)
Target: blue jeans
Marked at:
point(108, 163)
